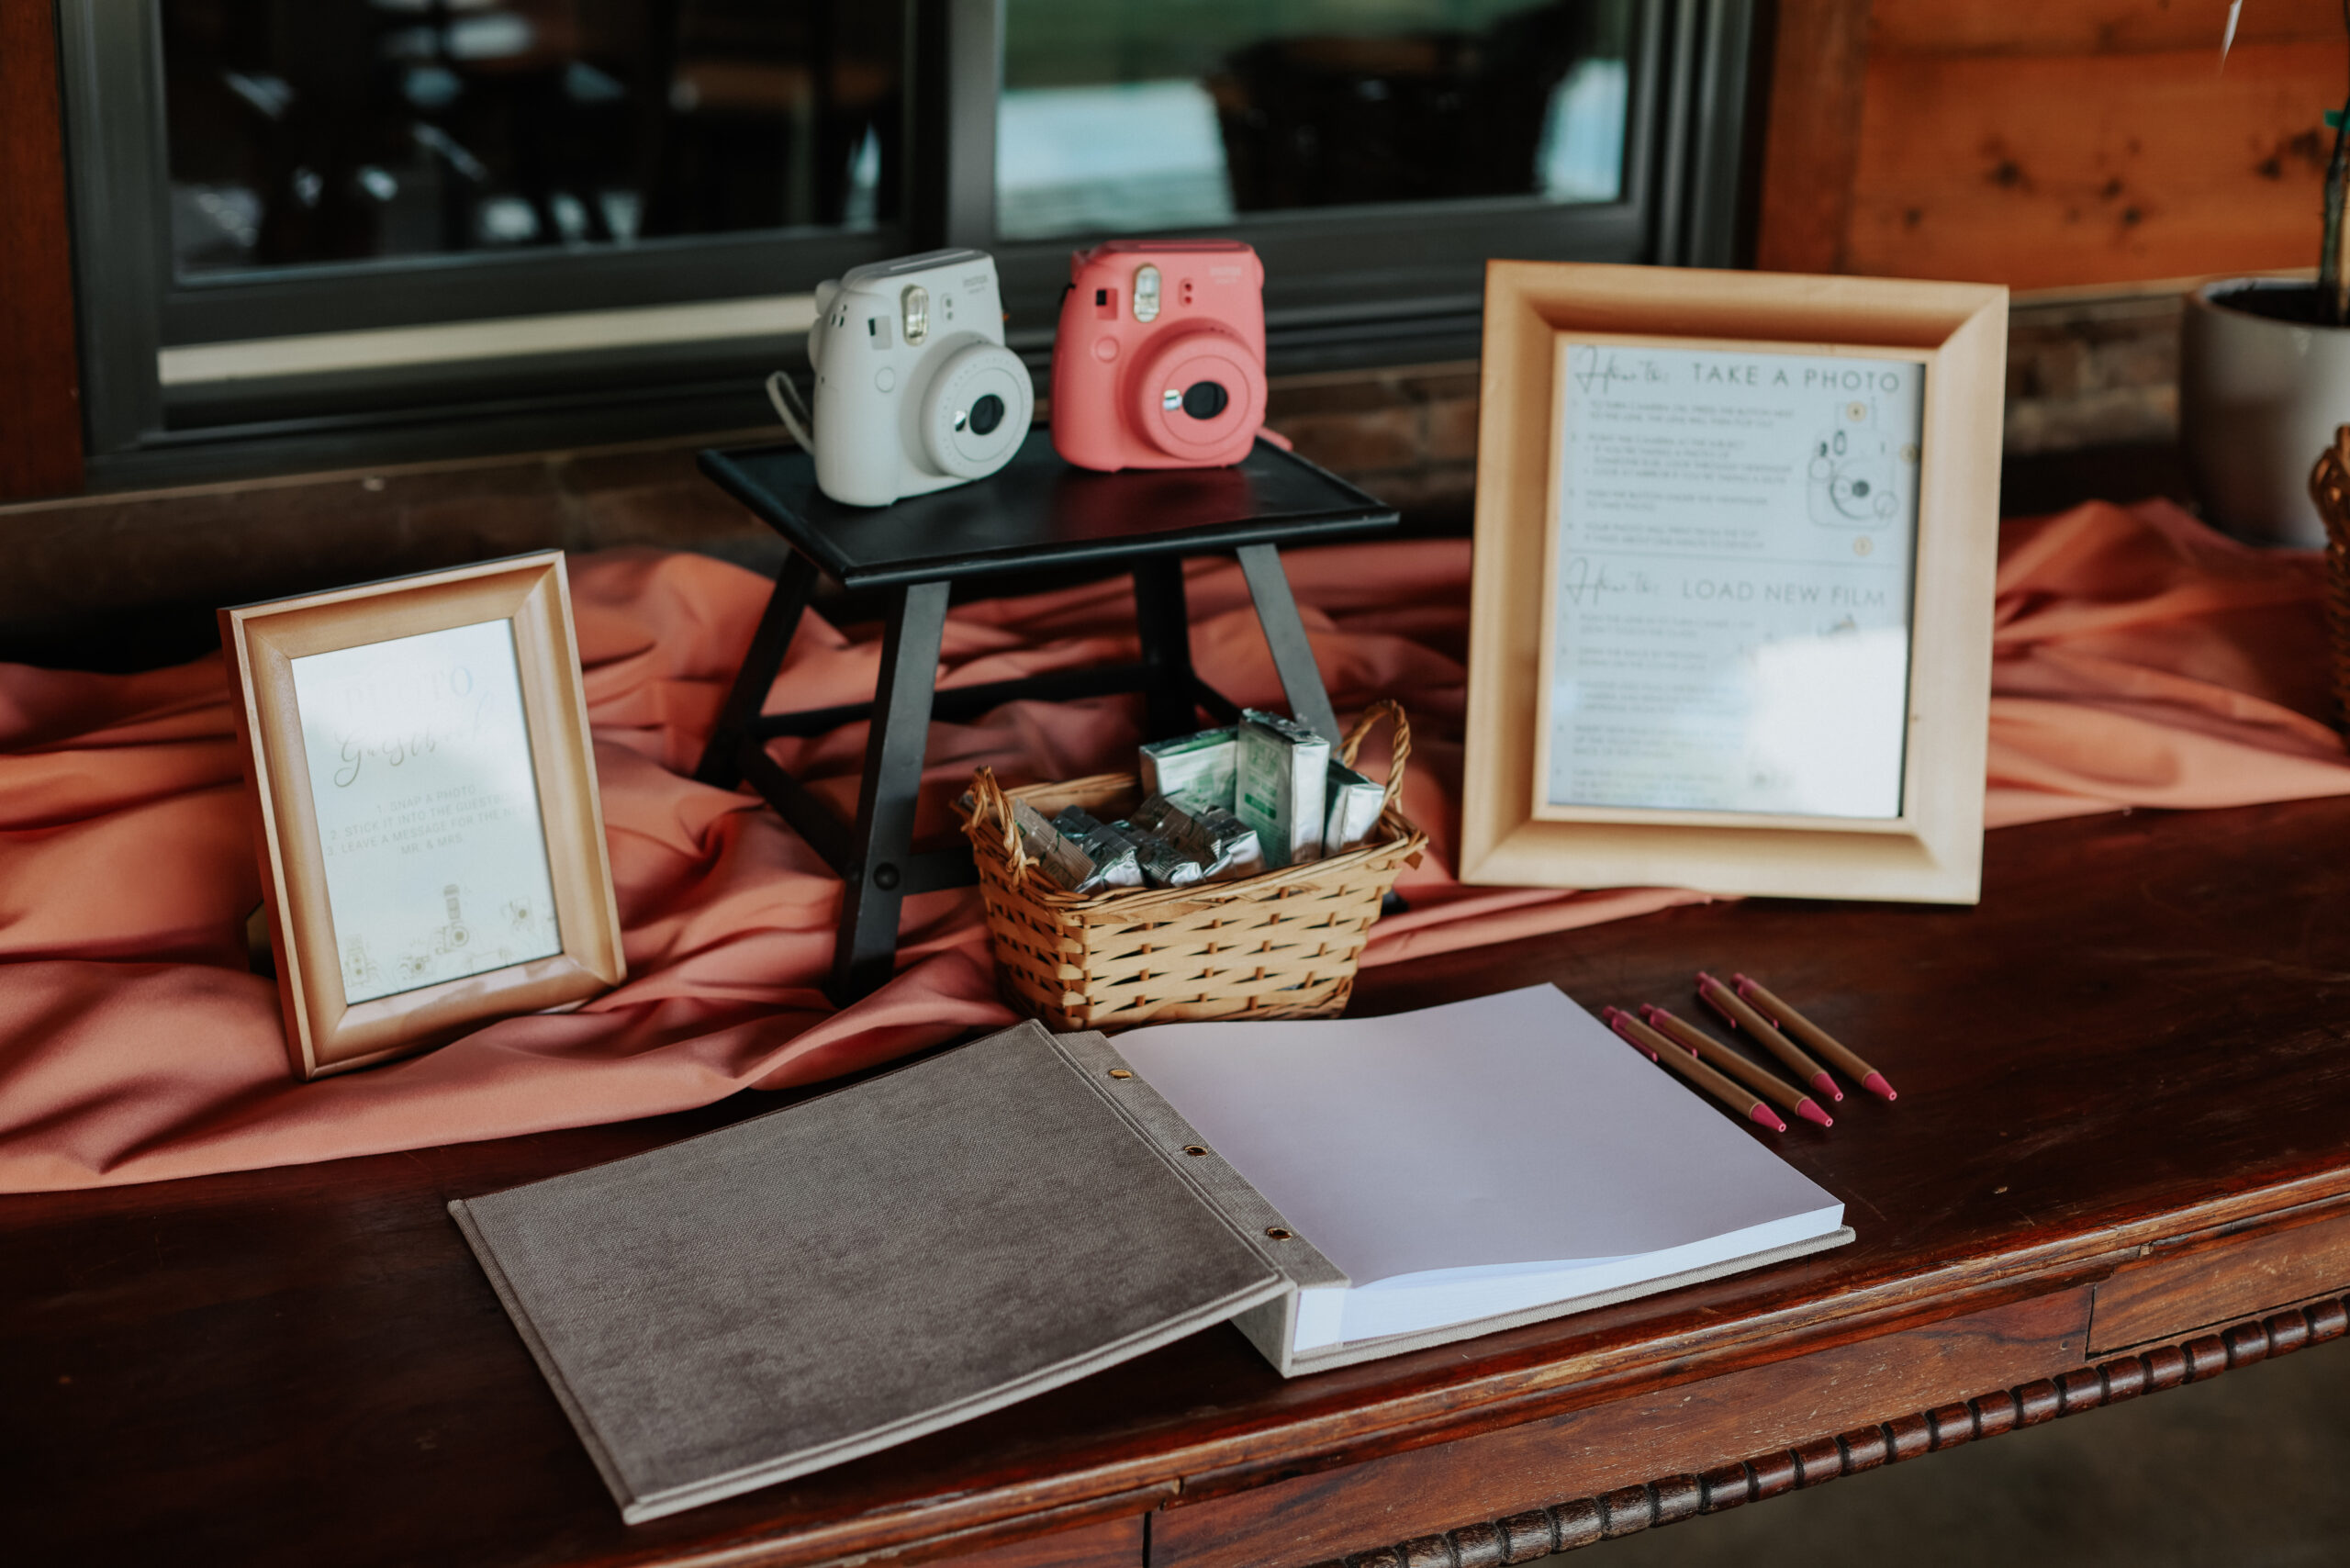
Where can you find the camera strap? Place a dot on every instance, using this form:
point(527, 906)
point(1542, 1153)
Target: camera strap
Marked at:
point(792, 409)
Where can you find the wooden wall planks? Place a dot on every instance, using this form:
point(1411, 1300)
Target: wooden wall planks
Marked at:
point(2065, 144)
point(40, 409)
point(2049, 170)
point(2097, 27)
point(1811, 148)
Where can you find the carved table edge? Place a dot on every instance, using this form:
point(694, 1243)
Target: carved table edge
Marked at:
point(1537, 1391)
point(953, 1546)
point(1581, 1521)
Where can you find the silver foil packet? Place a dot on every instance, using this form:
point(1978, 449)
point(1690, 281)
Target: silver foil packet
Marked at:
point(1222, 847)
point(1352, 819)
point(1112, 860)
point(1167, 866)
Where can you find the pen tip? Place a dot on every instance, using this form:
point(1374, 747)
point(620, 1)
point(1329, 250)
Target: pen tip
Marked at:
point(1808, 1109)
point(1768, 1117)
point(1827, 1085)
point(1875, 1084)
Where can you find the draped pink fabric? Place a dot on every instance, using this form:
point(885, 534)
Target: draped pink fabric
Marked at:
point(2140, 660)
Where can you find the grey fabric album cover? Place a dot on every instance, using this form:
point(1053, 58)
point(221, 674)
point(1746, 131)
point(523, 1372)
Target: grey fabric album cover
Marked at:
point(941, 1241)
point(856, 1270)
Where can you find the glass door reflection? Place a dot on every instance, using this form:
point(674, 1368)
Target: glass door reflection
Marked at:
point(1122, 116)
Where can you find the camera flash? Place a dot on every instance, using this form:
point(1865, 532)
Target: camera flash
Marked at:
point(916, 300)
point(1146, 294)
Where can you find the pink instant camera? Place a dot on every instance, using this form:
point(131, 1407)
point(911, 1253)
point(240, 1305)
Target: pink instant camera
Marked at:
point(1161, 358)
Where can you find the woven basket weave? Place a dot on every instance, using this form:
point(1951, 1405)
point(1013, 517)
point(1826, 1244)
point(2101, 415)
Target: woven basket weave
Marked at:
point(1283, 944)
point(2330, 489)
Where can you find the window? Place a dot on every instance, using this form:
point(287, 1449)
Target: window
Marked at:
point(1127, 115)
point(349, 131)
point(351, 231)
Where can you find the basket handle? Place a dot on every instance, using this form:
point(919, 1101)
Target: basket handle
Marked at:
point(2330, 487)
point(992, 808)
point(1401, 747)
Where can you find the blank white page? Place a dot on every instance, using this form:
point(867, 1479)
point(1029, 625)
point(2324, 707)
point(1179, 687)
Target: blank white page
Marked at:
point(1510, 1129)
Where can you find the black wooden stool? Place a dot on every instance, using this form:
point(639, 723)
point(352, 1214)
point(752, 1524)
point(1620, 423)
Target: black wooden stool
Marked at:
point(1036, 514)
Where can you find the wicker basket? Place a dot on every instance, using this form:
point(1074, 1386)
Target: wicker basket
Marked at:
point(2330, 489)
point(1283, 944)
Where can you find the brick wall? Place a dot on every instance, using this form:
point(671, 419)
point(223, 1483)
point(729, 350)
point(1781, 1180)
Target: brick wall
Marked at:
point(1407, 436)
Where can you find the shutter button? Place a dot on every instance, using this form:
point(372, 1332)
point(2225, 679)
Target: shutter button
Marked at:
point(886, 379)
point(1105, 349)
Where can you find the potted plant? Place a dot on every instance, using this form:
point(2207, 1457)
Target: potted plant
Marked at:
point(2263, 376)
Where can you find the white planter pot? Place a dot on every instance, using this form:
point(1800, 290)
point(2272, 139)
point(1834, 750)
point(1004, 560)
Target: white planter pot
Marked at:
point(2258, 401)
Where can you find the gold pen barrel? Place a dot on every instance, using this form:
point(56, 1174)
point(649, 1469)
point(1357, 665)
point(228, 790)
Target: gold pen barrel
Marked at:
point(1743, 1014)
point(1733, 1062)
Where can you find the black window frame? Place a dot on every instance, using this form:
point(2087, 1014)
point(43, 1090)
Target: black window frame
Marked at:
point(1346, 287)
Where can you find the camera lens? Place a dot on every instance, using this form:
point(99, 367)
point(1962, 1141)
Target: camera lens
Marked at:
point(986, 414)
point(1205, 399)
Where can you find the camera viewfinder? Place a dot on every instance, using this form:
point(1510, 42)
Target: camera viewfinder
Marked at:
point(1146, 294)
point(916, 301)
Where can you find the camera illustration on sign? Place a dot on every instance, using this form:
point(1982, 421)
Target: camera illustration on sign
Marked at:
point(1159, 360)
point(914, 389)
point(1857, 476)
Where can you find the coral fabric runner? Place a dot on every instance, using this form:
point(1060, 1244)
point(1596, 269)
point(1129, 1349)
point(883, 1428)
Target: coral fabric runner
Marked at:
point(2140, 660)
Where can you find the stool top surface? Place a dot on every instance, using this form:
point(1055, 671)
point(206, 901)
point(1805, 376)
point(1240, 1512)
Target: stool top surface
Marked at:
point(1039, 511)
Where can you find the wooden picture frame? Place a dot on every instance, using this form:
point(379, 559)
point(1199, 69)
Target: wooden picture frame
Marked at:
point(442, 754)
point(1926, 848)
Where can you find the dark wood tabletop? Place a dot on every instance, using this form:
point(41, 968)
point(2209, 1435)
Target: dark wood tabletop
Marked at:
point(1039, 513)
point(2120, 1160)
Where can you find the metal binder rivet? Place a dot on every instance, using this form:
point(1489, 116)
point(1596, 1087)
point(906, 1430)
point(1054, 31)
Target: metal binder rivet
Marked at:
point(1277, 1232)
point(1193, 1149)
point(1120, 1073)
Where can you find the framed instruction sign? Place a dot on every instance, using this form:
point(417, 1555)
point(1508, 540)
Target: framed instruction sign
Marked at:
point(431, 844)
point(1729, 580)
point(1733, 592)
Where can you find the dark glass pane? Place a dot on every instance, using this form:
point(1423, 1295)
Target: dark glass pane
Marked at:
point(1159, 114)
point(326, 130)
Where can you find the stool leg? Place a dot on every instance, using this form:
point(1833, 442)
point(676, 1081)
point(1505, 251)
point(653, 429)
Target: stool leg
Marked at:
point(1285, 634)
point(1165, 623)
point(722, 762)
point(865, 955)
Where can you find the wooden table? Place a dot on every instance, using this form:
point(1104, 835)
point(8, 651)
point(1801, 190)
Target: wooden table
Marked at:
point(2120, 1161)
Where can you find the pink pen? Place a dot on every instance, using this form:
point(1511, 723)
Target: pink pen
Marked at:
point(1735, 1009)
point(1751, 1073)
point(1812, 1035)
point(1666, 1053)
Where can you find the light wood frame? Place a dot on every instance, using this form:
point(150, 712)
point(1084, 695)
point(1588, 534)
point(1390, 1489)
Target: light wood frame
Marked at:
point(323, 1033)
point(1932, 851)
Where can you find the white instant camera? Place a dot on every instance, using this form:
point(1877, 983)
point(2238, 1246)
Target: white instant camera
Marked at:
point(914, 389)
